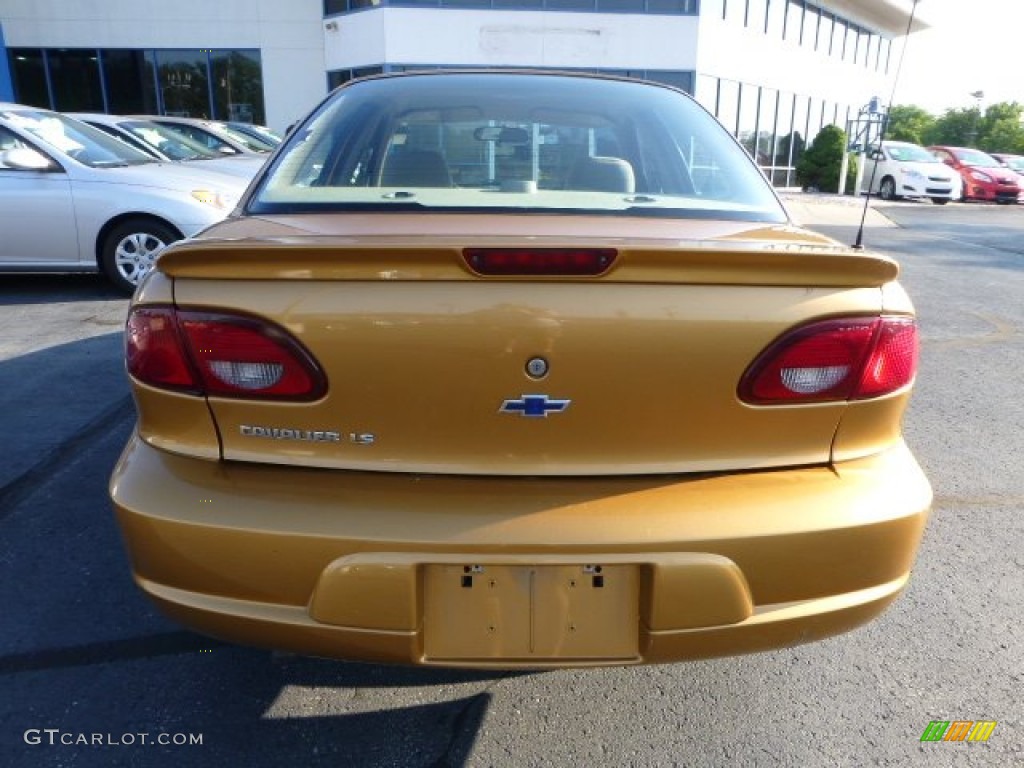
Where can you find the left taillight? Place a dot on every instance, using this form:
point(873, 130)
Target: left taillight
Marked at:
point(838, 359)
point(219, 354)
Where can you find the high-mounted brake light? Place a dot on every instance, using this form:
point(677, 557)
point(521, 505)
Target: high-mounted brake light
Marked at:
point(219, 354)
point(841, 359)
point(540, 261)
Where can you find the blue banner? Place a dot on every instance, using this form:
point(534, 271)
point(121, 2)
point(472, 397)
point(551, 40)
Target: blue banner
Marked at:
point(6, 82)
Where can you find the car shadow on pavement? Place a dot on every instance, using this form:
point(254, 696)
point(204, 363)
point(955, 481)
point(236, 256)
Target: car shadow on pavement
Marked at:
point(85, 655)
point(44, 289)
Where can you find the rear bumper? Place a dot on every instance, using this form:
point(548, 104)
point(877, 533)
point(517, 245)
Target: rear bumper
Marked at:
point(374, 566)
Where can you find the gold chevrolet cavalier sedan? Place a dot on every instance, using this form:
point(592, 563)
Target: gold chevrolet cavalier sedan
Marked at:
point(518, 369)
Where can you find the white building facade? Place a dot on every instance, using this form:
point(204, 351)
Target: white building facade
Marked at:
point(773, 71)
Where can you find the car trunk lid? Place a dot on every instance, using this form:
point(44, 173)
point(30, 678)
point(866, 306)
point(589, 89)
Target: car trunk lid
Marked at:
point(432, 367)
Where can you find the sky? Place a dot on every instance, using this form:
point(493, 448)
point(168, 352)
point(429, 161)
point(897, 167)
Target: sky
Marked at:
point(973, 45)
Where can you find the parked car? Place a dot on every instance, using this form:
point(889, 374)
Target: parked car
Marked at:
point(479, 373)
point(1013, 163)
point(899, 169)
point(982, 176)
point(165, 144)
point(214, 135)
point(259, 132)
point(73, 199)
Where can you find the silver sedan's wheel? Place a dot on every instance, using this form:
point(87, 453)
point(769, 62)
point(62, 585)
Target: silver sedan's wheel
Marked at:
point(131, 249)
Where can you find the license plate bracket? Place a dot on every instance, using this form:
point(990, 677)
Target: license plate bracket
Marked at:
point(530, 612)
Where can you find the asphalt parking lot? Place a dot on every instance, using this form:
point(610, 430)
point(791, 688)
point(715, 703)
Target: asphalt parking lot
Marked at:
point(83, 655)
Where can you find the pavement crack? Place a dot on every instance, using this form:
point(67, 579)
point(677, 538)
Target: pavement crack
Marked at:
point(29, 481)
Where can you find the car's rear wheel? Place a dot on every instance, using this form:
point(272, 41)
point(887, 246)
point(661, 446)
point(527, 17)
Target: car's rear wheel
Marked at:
point(940, 200)
point(887, 189)
point(131, 248)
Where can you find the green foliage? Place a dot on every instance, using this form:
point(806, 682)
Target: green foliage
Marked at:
point(908, 123)
point(821, 162)
point(999, 130)
point(956, 128)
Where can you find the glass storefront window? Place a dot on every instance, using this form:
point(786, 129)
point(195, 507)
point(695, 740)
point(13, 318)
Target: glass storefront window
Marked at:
point(675, 7)
point(747, 128)
point(735, 12)
point(130, 84)
point(125, 82)
point(798, 138)
point(729, 104)
point(75, 76)
point(766, 127)
point(184, 83)
point(812, 18)
point(782, 170)
point(237, 86)
point(628, 6)
point(776, 24)
point(29, 73)
point(795, 21)
point(756, 16)
point(707, 93)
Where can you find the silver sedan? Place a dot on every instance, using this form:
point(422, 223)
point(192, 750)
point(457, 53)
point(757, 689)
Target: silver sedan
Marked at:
point(73, 199)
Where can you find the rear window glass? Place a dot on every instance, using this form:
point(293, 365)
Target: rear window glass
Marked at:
point(514, 141)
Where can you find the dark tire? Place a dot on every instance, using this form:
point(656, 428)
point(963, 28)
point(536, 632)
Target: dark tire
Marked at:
point(131, 248)
point(887, 189)
point(940, 200)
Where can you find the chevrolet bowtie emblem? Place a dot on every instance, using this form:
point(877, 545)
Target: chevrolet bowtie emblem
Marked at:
point(534, 406)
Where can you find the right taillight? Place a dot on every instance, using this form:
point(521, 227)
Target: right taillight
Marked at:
point(220, 354)
point(837, 359)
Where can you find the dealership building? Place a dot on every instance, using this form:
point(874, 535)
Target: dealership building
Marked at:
point(774, 72)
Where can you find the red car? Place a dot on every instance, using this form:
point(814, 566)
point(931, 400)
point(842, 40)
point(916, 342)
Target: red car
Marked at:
point(984, 178)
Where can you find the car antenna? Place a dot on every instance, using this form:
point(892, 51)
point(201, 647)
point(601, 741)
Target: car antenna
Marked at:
point(858, 244)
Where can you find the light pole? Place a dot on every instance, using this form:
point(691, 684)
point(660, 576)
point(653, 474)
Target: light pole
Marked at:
point(973, 135)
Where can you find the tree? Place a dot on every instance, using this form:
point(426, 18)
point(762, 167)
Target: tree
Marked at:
point(998, 130)
point(820, 163)
point(956, 128)
point(1001, 129)
point(908, 123)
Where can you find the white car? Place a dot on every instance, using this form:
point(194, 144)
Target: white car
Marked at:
point(900, 169)
point(168, 145)
point(73, 199)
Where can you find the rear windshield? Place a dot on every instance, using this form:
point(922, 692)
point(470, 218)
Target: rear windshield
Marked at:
point(517, 142)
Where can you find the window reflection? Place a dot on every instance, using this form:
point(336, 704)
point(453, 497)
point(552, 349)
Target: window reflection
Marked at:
point(184, 83)
point(226, 85)
point(237, 86)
